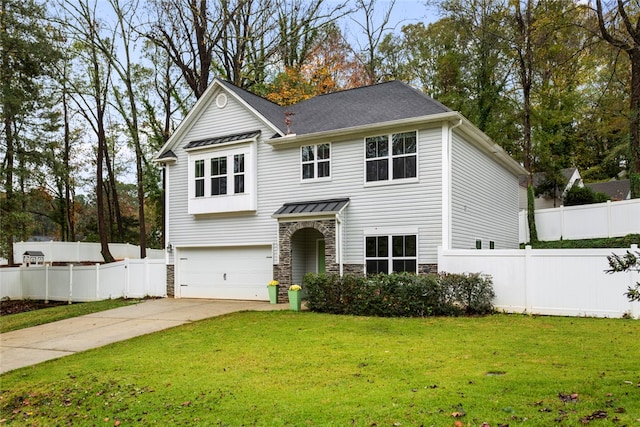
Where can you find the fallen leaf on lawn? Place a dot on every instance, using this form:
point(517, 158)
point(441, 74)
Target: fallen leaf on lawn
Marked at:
point(458, 424)
point(620, 411)
point(573, 397)
point(187, 403)
point(597, 415)
point(457, 414)
point(117, 423)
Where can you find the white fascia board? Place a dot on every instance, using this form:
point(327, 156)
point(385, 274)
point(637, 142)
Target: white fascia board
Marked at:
point(192, 115)
point(482, 141)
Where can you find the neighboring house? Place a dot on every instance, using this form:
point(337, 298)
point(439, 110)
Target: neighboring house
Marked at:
point(361, 181)
point(616, 189)
point(571, 177)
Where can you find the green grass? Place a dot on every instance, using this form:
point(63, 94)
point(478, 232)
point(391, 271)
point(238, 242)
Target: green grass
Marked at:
point(28, 319)
point(613, 242)
point(295, 369)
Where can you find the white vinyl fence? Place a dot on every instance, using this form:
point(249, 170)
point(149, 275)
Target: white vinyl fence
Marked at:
point(131, 278)
point(610, 219)
point(81, 251)
point(566, 282)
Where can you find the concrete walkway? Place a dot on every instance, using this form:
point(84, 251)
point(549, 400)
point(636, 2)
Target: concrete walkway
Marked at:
point(29, 346)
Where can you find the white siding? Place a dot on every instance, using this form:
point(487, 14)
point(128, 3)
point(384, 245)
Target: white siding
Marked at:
point(385, 206)
point(484, 201)
point(223, 229)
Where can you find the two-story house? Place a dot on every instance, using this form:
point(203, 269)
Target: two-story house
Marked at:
point(364, 181)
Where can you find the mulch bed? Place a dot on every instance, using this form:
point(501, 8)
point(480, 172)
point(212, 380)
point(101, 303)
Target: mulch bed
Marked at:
point(21, 306)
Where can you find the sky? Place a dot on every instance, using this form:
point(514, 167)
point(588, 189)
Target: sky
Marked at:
point(404, 12)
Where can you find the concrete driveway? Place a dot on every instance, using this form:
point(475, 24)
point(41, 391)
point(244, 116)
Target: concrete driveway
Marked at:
point(29, 346)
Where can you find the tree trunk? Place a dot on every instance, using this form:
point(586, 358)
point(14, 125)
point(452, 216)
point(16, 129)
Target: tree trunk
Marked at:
point(9, 206)
point(634, 167)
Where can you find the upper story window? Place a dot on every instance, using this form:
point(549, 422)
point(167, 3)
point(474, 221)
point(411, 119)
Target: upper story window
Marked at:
point(218, 176)
point(199, 178)
point(316, 161)
point(238, 173)
point(391, 157)
point(223, 178)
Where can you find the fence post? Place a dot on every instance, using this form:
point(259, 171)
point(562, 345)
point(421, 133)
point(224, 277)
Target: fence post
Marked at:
point(528, 289)
point(97, 281)
point(634, 278)
point(609, 223)
point(70, 282)
point(562, 231)
point(146, 277)
point(46, 283)
point(127, 273)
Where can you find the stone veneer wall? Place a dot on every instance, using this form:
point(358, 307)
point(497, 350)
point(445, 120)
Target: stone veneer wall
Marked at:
point(354, 269)
point(427, 268)
point(171, 281)
point(282, 272)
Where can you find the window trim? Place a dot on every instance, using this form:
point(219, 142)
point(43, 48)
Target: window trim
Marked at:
point(315, 161)
point(390, 158)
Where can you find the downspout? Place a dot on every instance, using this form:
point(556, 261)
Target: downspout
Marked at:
point(446, 161)
point(339, 243)
point(165, 207)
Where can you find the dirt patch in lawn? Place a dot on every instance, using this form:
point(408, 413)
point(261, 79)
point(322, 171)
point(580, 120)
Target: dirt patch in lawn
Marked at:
point(20, 306)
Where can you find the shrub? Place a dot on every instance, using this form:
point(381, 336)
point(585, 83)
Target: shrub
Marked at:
point(466, 293)
point(583, 196)
point(399, 295)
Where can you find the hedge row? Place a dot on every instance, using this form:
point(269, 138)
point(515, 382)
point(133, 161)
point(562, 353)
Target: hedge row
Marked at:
point(400, 295)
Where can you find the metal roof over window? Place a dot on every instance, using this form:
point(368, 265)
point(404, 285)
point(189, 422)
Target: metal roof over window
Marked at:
point(318, 207)
point(221, 139)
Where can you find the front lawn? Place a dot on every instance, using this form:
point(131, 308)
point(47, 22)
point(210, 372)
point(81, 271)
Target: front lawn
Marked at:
point(285, 368)
point(41, 316)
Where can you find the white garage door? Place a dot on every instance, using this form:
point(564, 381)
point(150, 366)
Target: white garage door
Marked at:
point(226, 273)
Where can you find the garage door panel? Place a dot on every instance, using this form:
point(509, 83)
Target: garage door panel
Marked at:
point(228, 273)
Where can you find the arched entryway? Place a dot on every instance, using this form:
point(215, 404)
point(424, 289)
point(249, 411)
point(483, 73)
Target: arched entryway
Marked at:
point(309, 240)
point(307, 253)
point(305, 246)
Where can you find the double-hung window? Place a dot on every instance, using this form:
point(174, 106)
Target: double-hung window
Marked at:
point(199, 178)
point(218, 176)
point(316, 161)
point(238, 173)
point(391, 157)
point(391, 254)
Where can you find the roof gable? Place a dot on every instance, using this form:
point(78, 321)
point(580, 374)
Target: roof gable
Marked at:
point(265, 111)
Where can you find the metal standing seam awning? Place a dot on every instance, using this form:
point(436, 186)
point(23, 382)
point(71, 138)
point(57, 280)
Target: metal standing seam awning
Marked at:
point(202, 143)
point(311, 208)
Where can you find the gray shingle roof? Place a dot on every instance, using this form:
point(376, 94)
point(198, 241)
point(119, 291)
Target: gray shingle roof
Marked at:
point(616, 190)
point(379, 103)
point(540, 177)
point(221, 139)
point(331, 206)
